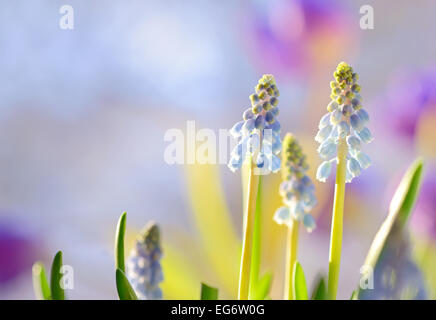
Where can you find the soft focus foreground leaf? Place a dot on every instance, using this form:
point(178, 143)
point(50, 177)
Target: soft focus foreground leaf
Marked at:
point(208, 293)
point(399, 210)
point(119, 242)
point(300, 287)
point(354, 295)
point(407, 193)
point(180, 277)
point(55, 278)
point(262, 287)
point(218, 238)
point(389, 271)
point(40, 283)
point(125, 290)
point(320, 291)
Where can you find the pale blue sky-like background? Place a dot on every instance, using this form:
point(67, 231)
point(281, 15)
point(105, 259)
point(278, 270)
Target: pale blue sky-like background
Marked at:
point(83, 112)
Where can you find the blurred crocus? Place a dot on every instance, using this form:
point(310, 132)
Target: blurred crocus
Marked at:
point(17, 251)
point(258, 133)
point(144, 270)
point(286, 36)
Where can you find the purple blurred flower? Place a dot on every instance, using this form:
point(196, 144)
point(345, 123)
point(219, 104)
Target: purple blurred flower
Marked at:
point(407, 98)
point(289, 36)
point(17, 252)
point(424, 217)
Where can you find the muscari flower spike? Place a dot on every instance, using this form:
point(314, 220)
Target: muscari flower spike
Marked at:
point(297, 189)
point(346, 119)
point(143, 266)
point(258, 133)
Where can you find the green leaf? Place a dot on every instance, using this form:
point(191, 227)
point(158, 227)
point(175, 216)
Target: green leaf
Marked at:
point(300, 287)
point(208, 292)
point(125, 290)
point(119, 242)
point(261, 289)
point(320, 291)
point(407, 193)
point(55, 278)
point(354, 295)
point(399, 211)
point(40, 283)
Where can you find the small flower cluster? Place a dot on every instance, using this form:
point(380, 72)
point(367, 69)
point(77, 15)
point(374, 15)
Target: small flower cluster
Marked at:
point(297, 188)
point(143, 266)
point(258, 133)
point(346, 119)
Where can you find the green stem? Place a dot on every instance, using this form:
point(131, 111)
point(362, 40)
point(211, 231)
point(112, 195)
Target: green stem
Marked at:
point(247, 244)
point(256, 251)
point(291, 258)
point(337, 222)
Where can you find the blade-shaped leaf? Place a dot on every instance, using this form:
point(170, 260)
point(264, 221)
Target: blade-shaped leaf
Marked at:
point(208, 292)
point(55, 278)
point(399, 211)
point(300, 287)
point(119, 242)
point(407, 192)
point(40, 283)
point(320, 291)
point(125, 290)
point(354, 295)
point(262, 287)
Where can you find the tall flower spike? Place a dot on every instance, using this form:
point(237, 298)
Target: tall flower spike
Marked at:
point(297, 189)
point(254, 138)
point(346, 119)
point(143, 266)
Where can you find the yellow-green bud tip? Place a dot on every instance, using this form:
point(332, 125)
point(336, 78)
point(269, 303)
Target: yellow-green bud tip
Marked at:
point(293, 159)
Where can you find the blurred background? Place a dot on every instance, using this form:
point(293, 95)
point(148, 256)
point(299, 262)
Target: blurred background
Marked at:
point(83, 114)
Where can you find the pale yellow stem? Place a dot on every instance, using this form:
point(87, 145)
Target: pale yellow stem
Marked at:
point(291, 258)
point(244, 272)
point(337, 221)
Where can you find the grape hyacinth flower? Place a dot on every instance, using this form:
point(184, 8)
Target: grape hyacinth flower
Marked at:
point(342, 131)
point(297, 189)
point(346, 121)
point(143, 266)
point(298, 194)
point(259, 142)
point(258, 134)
